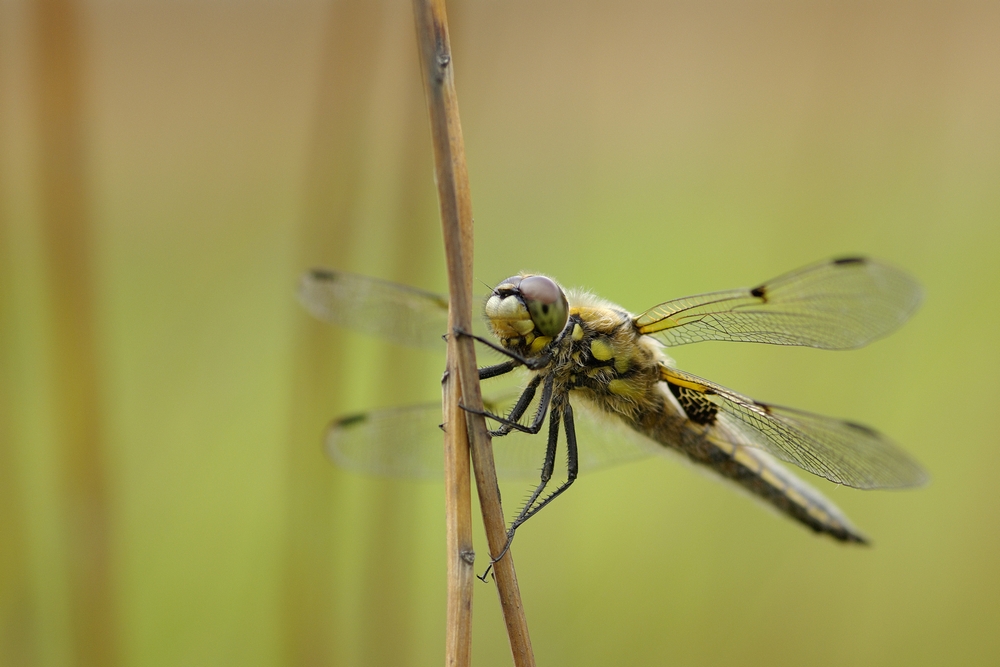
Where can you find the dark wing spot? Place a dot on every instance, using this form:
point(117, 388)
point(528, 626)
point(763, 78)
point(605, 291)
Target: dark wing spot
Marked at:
point(861, 427)
point(323, 274)
point(849, 260)
point(350, 420)
point(759, 292)
point(696, 405)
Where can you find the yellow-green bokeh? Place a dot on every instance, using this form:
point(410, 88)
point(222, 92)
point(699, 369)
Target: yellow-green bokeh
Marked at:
point(645, 150)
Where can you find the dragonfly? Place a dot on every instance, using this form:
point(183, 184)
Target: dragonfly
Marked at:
point(595, 370)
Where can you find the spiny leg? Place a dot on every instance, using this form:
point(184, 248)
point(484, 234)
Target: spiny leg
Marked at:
point(534, 363)
point(496, 370)
point(523, 401)
point(572, 465)
point(572, 468)
point(487, 372)
point(510, 423)
point(547, 467)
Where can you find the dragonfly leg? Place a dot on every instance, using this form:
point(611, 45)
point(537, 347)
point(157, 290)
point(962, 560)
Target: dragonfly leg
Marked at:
point(547, 467)
point(533, 363)
point(572, 468)
point(523, 401)
point(510, 423)
point(572, 463)
point(487, 372)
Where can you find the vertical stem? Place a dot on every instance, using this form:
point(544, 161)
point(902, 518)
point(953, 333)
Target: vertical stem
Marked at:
point(68, 236)
point(332, 186)
point(456, 219)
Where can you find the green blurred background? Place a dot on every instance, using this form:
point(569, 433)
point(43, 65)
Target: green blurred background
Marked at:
point(168, 169)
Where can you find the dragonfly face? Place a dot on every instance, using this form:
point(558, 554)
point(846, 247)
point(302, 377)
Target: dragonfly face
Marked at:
point(585, 354)
point(527, 312)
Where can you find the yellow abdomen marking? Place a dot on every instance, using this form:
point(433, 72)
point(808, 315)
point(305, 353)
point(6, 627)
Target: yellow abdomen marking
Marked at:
point(747, 460)
point(772, 479)
point(797, 498)
point(821, 515)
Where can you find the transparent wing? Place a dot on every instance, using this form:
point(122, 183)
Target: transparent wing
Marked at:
point(840, 451)
point(838, 304)
point(397, 313)
point(407, 442)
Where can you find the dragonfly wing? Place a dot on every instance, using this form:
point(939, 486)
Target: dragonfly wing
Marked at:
point(397, 313)
point(407, 442)
point(396, 442)
point(838, 304)
point(840, 451)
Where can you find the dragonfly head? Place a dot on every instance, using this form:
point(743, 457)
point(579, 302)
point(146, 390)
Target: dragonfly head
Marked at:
point(529, 307)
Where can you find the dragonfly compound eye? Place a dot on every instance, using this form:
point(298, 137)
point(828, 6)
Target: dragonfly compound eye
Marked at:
point(546, 303)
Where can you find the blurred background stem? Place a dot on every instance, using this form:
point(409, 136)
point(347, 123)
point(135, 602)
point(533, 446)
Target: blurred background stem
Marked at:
point(78, 397)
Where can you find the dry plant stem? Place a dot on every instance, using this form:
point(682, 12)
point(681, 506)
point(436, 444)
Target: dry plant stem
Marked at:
point(456, 219)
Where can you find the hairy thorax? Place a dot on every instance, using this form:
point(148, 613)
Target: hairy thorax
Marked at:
point(604, 361)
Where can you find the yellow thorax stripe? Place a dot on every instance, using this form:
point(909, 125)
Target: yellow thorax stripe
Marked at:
point(658, 325)
point(675, 378)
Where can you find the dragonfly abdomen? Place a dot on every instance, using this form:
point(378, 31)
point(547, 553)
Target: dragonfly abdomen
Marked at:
point(752, 469)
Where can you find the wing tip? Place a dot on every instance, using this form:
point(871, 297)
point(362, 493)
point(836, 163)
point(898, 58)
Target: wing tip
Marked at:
point(920, 478)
